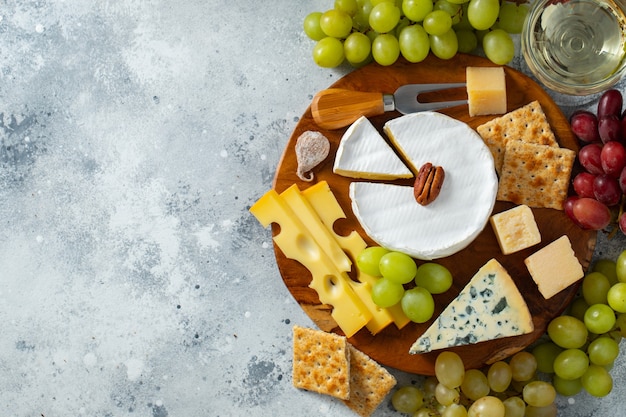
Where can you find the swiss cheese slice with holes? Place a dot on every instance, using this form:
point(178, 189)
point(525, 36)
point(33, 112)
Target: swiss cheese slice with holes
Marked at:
point(364, 153)
point(391, 216)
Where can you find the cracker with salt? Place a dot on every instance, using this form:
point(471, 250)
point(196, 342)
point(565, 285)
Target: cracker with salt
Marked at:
point(527, 123)
point(321, 362)
point(535, 175)
point(369, 383)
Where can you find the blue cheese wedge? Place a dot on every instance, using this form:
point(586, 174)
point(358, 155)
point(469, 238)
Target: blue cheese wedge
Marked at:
point(489, 307)
point(391, 216)
point(364, 153)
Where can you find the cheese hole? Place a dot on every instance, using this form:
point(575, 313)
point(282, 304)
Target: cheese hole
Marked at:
point(330, 284)
point(305, 244)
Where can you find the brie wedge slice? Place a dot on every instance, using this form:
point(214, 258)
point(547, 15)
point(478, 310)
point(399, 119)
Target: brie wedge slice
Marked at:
point(364, 153)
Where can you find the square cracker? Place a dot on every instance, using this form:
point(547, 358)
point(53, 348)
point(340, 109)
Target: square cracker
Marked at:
point(535, 175)
point(369, 383)
point(321, 362)
point(528, 124)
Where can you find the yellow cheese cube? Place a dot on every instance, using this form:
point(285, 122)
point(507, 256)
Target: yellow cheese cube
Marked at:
point(554, 267)
point(515, 229)
point(486, 90)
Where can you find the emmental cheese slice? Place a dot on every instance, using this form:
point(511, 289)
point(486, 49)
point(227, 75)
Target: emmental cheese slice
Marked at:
point(486, 90)
point(554, 267)
point(489, 307)
point(364, 153)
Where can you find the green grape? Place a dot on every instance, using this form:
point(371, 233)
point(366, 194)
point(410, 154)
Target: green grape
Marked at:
point(468, 42)
point(437, 22)
point(597, 381)
point(385, 49)
point(368, 260)
point(514, 407)
point(336, 23)
point(523, 366)
point(397, 266)
point(416, 10)
point(418, 305)
point(444, 46)
point(487, 406)
point(603, 351)
point(407, 399)
point(458, 1)
point(328, 52)
point(377, 2)
point(425, 412)
point(312, 27)
point(386, 293)
point(607, 268)
point(545, 354)
point(571, 364)
point(539, 394)
point(599, 318)
point(464, 23)
point(620, 323)
point(454, 10)
point(482, 14)
point(499, 47)
point(578, 308)
point(616, 297)
point(414, 43)
point(349, 7)
point(567, 387)
point(436, 278)
point(475, 384)
point(567, 332)
point(402, 24)
point(595, 288)
point(620, 267)
point(384, 17)
point(361, 19)
point(499, 376)
point(357, 48)
point(547, 411)
point(429, 386)
point(449, 369)
point(446, 396)
point(454, 410)
point(512, 16)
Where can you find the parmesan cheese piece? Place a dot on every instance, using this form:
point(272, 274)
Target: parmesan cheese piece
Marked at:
point(515, 229)
point(486, 90)
point(554, 267)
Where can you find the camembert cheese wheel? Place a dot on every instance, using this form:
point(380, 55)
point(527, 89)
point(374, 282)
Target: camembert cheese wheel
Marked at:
point(389, 213)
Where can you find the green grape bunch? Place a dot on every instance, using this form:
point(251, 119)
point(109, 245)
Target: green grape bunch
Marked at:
point(382, 31)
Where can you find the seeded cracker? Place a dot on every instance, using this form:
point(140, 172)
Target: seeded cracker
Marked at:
point(369, 383)
point(535, 175)
point(321, 362)
point(528, 123)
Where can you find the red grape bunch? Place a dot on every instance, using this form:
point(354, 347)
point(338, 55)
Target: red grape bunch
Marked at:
point(601, 186)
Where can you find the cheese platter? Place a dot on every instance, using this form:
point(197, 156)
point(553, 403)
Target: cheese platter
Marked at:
point(391, 345)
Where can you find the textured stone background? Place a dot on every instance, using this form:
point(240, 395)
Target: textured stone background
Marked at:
point(134, 136)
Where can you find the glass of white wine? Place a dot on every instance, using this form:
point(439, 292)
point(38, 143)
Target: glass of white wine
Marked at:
point(576, 47)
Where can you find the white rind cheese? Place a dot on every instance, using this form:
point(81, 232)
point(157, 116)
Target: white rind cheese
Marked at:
point(489, 307)
point(364, 153)
point(391, 216)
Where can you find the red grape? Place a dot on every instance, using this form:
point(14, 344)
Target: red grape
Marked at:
point(591, 214)
point(610, 128)
point(568, 207)
point(613, 158)
point(610, 103)
point(583, 184)
point(584, 124)
point(622, 180)
point(589, 157)
point(606, 190)
point(622, 223)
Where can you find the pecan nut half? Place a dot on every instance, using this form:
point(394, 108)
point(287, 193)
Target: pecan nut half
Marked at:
point(428, 183)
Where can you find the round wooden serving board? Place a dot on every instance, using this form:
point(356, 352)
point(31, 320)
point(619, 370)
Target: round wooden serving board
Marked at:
point(391, 346)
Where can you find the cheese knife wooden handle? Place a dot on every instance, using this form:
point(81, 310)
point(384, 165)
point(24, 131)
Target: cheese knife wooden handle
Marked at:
point(335, 108)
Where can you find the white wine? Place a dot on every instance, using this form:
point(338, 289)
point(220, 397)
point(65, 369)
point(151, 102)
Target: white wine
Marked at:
point(574, 46)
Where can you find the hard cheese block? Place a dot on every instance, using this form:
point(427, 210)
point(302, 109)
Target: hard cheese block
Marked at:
point(364, 153)
point(554, 267)
point(486, 90)
point(489, 307)
point(515, 229)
